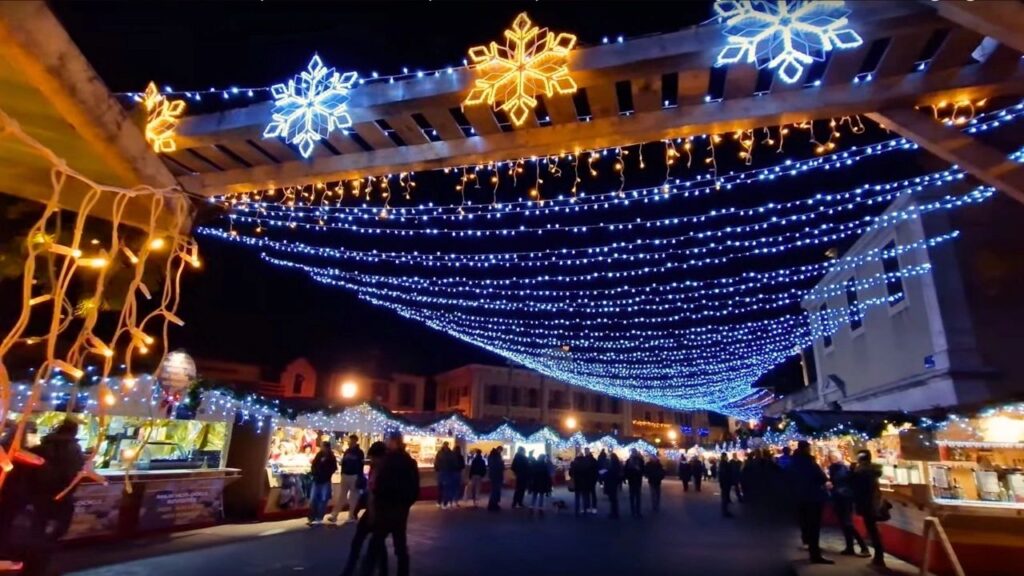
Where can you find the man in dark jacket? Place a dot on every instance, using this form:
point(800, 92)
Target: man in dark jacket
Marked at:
point(842, 503)
point(578, 475)
point(62, 461)
point(395, 489)
point(810, 489)
point(612, 484)
point(444, 465)
point(592, 475)
point(655, 473)
point(496, 474)
point(521, 470)
point(322, 469)
point(685, 472)
point(867, 499)
point(697, 469)
point(351, 475)
point(634, 473)
point(725, 482)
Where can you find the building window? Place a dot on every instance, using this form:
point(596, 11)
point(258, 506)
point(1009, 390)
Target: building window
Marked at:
point(495, 396)
point(533, 398)
point(893, 278)
point(453, 397)
point(647, 416)
point(514, 399)
point(465, 390)
point(556, 399)
point(599, 404)
point(853, 311)
point(581, 401)
point(616, 406)
point(382, 391)
point(297, 383)
point(406, 394)
point(661, 417)
point(824, 325)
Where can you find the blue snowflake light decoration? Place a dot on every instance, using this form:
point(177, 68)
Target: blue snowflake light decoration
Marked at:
point(784, 34)
point(310, 106)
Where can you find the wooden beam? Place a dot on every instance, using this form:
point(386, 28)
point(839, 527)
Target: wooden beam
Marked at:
point(956, 147)
point(902, 53)
point(687, 51)
point(955, 50)
point(999, 19)
point(442, 121)
point(685, 120)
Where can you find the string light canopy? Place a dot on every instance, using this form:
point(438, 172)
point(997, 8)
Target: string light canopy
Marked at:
point(787, 35)
point(310, 106)
point(533, 61)
point(163, 116)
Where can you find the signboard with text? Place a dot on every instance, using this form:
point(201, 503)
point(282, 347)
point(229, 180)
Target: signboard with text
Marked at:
point(171, 503)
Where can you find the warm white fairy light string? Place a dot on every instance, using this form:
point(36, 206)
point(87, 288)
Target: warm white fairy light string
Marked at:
point(167, 213)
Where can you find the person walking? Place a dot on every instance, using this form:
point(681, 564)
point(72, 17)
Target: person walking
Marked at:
point(736, 469)
point(444, 464)
point(396, 488)
point(455, 483)
point(634, 473)
point(364, 526)
point(592, 473)
point(786, 458)
point(655, 473)
point(521, 470)
point(352, 461)
point(842, 503)
point(697, 469)
point(725, 482)
point(602, 462)
point(867, 498)
point(713, 469)
point(577, 475)
point(810, 484)
point(477, 471)
point(685, 471)
point(540, 483)
point(612, 478)
point(496, 473)
point(322, 469)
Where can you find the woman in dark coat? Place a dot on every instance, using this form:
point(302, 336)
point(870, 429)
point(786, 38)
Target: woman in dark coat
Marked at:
point(655, 473)
point(540, 483)
point(612, 478)
point(685, 473)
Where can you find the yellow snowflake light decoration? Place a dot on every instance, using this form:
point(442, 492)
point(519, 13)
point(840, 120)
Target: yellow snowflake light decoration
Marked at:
point(533, 61)
point(162, 121)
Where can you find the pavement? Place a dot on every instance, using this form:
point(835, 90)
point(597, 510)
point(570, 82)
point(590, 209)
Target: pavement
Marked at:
point(687, 536)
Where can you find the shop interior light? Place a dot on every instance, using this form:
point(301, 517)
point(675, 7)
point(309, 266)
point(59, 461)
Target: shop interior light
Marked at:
point(349, 390)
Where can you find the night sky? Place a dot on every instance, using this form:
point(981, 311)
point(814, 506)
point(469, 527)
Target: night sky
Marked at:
point(239, 308)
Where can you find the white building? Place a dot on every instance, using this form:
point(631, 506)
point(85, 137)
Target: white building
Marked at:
point(943, 327)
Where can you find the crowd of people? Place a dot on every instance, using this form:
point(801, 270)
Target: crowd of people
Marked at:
point(794, 482)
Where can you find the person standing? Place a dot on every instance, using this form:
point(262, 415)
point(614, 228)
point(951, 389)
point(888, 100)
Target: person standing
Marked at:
point(786, 458)
point(364, 527)
point(352, 461)
point(809, 483)
point(521, 470)
point(725, 482)
point(842, 503)
point(867, 497)
point(459, 461)
point(322, 469)
point(443, 466)
point(612, 483)
point(697, 469)
point(540, 483)
point(685, 471)
point(496, 473)
point(713, 469)
point(396, 488)
point(736, 469)
point(602, 462)
point(477, 471)
point(592, 473)
point(578, 473)
point(655, 473)
point(634, 472)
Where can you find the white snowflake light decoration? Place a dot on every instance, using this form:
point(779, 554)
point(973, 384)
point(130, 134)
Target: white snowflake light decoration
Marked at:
point(784, 34)
point(310, 106)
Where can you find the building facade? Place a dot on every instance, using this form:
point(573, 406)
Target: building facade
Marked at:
point(529, 397)
point(943, 324)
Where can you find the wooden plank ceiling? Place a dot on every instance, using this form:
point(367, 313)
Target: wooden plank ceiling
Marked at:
point(924, 58)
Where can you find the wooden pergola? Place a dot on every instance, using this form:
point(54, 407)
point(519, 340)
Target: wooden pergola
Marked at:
point(49, 87)
point(225, 152)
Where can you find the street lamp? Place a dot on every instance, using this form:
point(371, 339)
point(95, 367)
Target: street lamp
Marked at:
point(672, 435)
point(349, 390)
point(570, 422)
